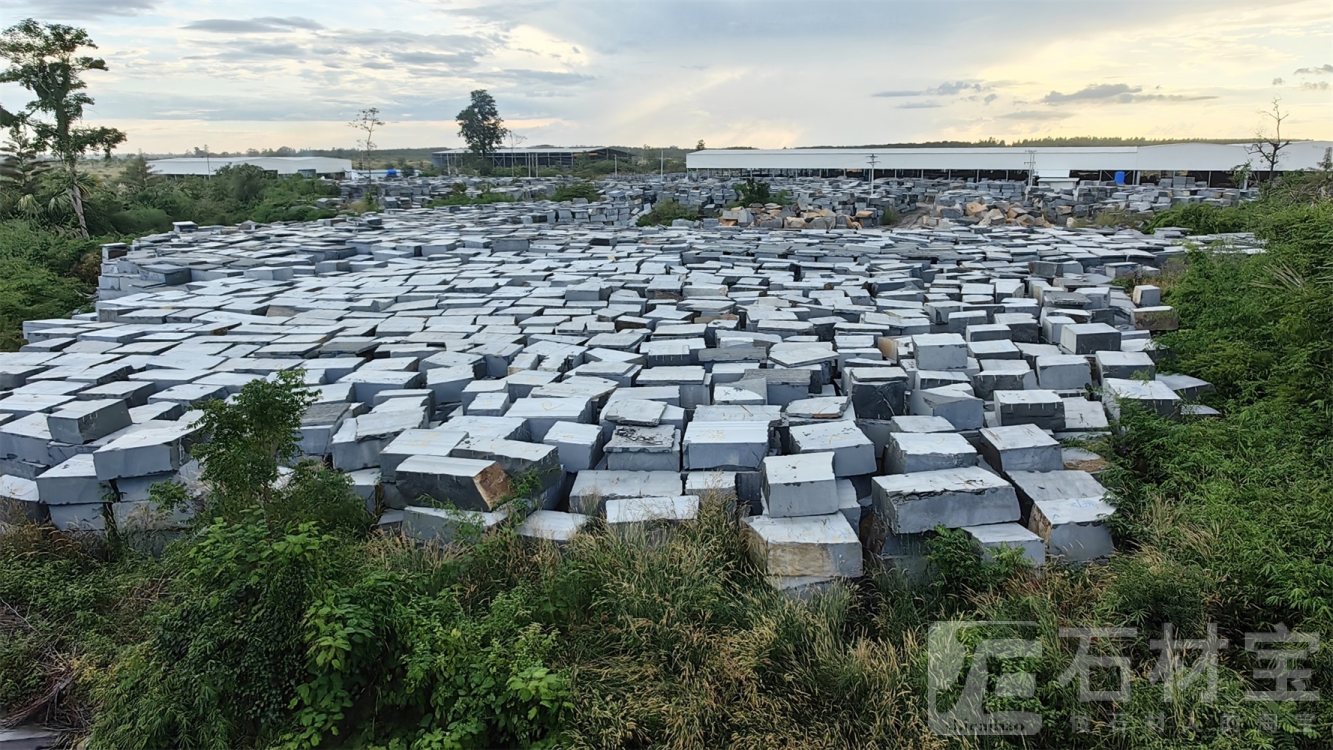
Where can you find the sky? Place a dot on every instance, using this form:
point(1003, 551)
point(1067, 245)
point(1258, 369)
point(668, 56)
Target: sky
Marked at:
point(237, 74)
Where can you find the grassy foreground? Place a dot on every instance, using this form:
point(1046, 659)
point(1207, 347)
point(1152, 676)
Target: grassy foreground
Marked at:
point(283, 621)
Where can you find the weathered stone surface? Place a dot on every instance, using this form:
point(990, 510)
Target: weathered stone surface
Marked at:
point(464, 483)
point(909, 452)
point(802, 485)
point(447, 525)
point(953, 498)
point(822, 545)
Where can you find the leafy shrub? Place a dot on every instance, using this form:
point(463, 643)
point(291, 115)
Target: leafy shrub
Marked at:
point(666, 211)
point(1202, 218)
point(31, 292)
point(463, 199)
point(569, 192)
point(141, 220)
point(754, 191)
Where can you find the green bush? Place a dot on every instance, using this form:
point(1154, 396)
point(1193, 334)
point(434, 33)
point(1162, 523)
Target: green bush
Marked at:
point(141, 220)
point(753, 191)
point(1202, 218)
point(666, 211)
point(31, 292)
point(463, 199)
point(585, 190)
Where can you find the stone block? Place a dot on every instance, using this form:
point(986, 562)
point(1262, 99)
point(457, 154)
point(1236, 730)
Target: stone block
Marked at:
point(416, 442)
point(821, 545)
point(146, 450)
point(1022, 447)
point(956, 404)
point(1063, 372)
point(909, 452)
point(1124, 365)
point(994, 537)
point(593, 488)
point(1042, 408)
point(644, 449)
point(464, 483)
point(953, 498)
point(877, 392)
point(1153, 395)
point(73, 482)
point(803, 485)
point(579, 446)
point(635, 513)
point(734, 445)
point(447, 525)
point(80, 422)
point(552, 526)
point(541, 413)
point(85, 518)
point(853, 452)
point(940, 351)
point(1089, 338)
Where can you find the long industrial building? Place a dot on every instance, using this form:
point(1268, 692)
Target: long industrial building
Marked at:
point(1207, 161)
point(309, 166)
point(536, 157)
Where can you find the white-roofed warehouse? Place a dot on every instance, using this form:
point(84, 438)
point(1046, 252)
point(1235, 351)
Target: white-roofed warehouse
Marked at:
point(1089, 162)
point(312, 166)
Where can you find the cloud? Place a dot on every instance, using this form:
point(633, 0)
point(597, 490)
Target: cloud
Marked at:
point(1325, 69)
point(265, 25)
point(1278, 81)
point(1118, 93)
point(948, 88)
point(76, 9)
point(990, 98)
point(1315, 85)
point(523, 76)
point(409, 57)
point(1036, 115)
point(1094, 92)
point(920, 105)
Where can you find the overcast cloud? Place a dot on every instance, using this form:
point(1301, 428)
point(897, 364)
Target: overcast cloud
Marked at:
point(771, 73)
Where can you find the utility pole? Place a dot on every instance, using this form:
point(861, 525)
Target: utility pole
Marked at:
point(873, 161)
point(661, 155)
point(1032, 165)
point(208, 163)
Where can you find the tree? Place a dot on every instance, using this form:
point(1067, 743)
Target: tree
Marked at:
point(45, 59)
point(136, 177)
point(21, 170)
point(700, 145)
point(480, 125)
point(366, 121)
point(1270, 148)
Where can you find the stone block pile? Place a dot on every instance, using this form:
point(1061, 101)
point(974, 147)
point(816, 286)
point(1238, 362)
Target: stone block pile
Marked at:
point(849, 393)
point(989, 202)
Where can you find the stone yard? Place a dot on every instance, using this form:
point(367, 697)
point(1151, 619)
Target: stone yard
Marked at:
point(849, 392)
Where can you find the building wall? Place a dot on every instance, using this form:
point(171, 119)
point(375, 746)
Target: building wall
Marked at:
point(1196, 157)
point(282, 165)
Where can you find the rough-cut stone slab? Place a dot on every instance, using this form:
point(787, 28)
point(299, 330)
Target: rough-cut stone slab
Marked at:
point(464, 483)
point(823, 545)
point(952, 498)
